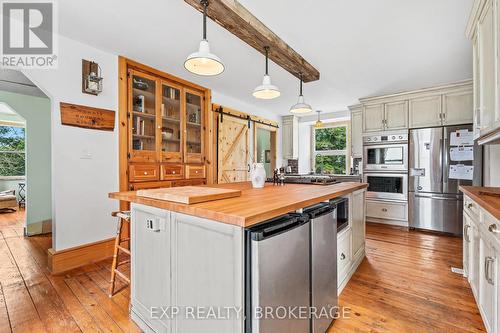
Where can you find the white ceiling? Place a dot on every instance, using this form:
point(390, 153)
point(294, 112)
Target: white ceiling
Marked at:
point(360, 47)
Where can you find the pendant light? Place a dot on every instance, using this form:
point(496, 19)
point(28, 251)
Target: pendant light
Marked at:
point(266, 90)
point(318, 123)
point(301, 106)
point(203, 62)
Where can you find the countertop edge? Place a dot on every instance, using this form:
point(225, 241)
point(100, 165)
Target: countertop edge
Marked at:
point(237, 220)
point(473, 193)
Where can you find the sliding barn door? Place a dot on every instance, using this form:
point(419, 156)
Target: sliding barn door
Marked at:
point(233, 149)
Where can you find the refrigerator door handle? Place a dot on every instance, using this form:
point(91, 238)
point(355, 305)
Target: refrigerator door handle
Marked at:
point(430, 196)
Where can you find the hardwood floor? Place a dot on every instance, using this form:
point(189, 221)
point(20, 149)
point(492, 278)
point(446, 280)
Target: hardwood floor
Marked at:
point(403, 285)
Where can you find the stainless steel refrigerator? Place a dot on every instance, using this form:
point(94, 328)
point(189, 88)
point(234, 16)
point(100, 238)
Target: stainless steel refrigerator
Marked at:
point(435, 201)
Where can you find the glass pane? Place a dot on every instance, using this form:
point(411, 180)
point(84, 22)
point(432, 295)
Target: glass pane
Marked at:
point(333, 138)
point(385, 184)
point(391, 156)
point(171, 119)
point(12, 156)
point(332, 164)
point(193, 123)
point(143, 114)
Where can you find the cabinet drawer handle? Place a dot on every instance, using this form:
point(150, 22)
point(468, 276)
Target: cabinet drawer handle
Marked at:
point(342, 256)
point(494, 229)
point(487, 270)
point(466, 233)
point(384, 209)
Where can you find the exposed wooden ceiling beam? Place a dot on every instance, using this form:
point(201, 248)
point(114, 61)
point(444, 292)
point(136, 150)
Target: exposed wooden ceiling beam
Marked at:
point(235, 18)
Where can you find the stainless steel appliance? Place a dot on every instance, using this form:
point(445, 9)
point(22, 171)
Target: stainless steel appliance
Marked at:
point(278, 273)
point(342, 209)
point(323, 263)
point(387, 152)
point(389, 186)
point(310, 179)
point(435, 202)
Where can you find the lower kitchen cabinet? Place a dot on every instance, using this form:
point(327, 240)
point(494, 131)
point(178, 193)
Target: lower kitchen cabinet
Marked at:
point(481, 261)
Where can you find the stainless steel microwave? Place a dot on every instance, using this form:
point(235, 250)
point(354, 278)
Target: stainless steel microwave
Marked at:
point(386, 157)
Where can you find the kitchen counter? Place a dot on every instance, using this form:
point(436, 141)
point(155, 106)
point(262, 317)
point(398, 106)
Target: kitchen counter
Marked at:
point(490, 203)
point(254, 205)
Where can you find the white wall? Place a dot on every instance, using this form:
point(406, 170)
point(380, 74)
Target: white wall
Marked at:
point(80, 186)
point(491, 173)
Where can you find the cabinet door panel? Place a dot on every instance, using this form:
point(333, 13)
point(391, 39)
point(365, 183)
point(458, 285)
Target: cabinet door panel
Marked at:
point(194, 118)
point(171, 122)
point(458, 108)
point(396, 115)
point(486, 44)
point(373, 118)
point(356, 134)
point(487, 290)
point(425, 111)
point(357, 207)
point(474, 260)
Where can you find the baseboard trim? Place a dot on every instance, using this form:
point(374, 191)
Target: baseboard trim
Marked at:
point(43, 227)
point(65, 260)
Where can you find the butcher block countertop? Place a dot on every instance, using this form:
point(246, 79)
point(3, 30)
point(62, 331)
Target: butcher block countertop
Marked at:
point(489, 202)
point(254, 205)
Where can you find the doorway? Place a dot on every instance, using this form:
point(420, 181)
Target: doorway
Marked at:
point(265, 141)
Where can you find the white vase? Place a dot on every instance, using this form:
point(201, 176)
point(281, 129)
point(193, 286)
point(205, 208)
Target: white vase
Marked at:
point(258, 175)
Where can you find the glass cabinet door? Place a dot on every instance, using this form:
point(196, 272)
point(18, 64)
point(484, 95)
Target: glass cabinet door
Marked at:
point(194, 121)
point(171, 129)
point(143, 117)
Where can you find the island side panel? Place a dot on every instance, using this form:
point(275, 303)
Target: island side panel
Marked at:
point(207, 271)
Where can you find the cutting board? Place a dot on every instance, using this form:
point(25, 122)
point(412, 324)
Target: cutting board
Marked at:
point(189, 194)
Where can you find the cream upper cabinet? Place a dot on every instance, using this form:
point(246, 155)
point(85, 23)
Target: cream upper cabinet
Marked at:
point(373, 117)
point(290, 137)
point(483, 29)
point(458, 108)
point(425, 111)
point(396, 115)
point(356, 132)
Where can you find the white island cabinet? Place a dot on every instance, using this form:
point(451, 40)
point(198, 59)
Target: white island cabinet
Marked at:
point(187, 264)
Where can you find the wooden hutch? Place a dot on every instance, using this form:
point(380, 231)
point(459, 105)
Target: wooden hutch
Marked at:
point(165, 129)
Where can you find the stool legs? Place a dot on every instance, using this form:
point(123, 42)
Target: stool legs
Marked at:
point(124, 222)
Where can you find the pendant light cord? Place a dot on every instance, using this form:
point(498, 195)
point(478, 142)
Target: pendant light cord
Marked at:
point(266, 48)
point(300, 77)
point(205, 6)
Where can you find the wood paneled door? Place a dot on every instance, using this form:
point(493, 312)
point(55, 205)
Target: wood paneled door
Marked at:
point(233, 150)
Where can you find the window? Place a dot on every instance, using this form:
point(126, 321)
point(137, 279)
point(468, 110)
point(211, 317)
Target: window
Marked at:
point(330, 151)
point(12, 156)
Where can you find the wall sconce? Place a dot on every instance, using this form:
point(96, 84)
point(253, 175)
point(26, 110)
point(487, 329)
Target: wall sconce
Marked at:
point(91, 78)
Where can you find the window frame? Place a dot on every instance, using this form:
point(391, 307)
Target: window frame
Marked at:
point(346, 152)
point(18, 125)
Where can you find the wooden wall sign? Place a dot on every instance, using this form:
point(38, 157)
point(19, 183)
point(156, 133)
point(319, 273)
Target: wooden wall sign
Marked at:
point(87, 117)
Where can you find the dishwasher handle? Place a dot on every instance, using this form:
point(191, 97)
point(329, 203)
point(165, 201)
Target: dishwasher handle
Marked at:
point(274, 229)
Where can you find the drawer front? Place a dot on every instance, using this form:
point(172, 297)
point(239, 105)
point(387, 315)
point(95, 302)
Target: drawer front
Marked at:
point(195, 171)
point(387, 210)
point(343, 254)
point(143, 172)
point(471, 208)
point(193, 182)
point(149, 185)
point(172, 171)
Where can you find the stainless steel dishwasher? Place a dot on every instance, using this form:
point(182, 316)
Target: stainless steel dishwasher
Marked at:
point(323, 224)
point(278, 275)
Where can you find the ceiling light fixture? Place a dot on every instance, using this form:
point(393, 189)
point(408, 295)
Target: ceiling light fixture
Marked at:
point(266, 90)
point(301, 106)
point(203, 62)
point(318, 123)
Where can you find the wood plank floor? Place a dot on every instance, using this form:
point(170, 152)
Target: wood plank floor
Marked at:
point(403, 285)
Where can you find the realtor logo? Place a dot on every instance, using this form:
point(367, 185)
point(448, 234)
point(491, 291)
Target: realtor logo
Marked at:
point(28, 34)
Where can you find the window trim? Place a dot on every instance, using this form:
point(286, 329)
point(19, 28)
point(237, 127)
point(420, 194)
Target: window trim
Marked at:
point(346, 152)
point(18, 177)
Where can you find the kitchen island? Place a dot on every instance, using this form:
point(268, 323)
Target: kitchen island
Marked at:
point(188, 261)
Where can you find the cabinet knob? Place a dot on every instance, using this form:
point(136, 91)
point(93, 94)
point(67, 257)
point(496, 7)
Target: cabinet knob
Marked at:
point(196, 171)
point(494, 229)
point(384, 209)
point(173, 172)
point(342, 256)
point(145, 172)
point(470, 205)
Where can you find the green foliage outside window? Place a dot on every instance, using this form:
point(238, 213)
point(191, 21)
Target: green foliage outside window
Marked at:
point(12, 156)
point(334, 140)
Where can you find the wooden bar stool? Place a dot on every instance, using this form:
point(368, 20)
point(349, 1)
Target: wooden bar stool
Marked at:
point(123, 225)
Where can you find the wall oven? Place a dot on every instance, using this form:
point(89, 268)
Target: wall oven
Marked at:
point(389, 186)
point(388, 152)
